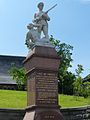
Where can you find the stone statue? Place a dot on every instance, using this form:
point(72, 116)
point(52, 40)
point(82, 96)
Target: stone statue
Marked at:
point(32, 36)
point(42, 18)
point(40, 24)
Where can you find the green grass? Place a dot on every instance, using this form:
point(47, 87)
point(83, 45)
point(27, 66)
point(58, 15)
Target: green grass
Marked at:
point(18, 99)
point(12, 99)
point(71, 101)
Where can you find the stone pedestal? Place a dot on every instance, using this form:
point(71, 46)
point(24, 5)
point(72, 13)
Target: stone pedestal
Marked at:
point(41, 66)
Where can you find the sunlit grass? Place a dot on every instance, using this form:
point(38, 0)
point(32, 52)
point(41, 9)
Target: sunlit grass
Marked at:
point(12, 99)
point(18, 99)
point(72, 101)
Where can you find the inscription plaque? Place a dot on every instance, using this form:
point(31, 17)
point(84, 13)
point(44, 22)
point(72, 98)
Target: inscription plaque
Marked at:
point(46, 88)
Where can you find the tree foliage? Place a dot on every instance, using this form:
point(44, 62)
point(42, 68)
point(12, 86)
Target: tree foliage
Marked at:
point(19, 76)
point(65, 77)
point(86, 89)
point(69, 79)
point(81, 88)
point(78, 82)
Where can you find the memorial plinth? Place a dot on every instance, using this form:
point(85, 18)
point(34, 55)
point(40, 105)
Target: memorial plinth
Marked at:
point(41, 66)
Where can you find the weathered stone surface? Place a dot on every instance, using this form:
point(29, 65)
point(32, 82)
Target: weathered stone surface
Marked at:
point(46, 88)
point(12, 114)
point(42, 86)
point(41, 68)
point(81, 113)
point(43, 113)
point(42, 65)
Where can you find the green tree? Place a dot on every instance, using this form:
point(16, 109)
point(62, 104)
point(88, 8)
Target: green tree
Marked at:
point(19, 76)
point(86, 86)
point(64, 51)
point(69, 79)
point(78, 82)
point(86, 89)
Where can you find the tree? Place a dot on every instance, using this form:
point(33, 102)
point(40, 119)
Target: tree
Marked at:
point(64, 51)
point(86, 86)
point(69, 79)
point(65, 77)
point(19, 76)
point(78, 82)
point(86, 89)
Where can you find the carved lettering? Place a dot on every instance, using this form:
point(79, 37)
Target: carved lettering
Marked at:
point(46, 87)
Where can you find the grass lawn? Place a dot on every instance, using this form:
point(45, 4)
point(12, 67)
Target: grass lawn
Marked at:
point(70, 101)
point(18, 99)
point(12, 99)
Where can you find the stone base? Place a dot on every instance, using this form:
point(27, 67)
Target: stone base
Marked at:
point(41, 66)
point(43, 113)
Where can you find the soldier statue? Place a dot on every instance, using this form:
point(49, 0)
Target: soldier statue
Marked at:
point(40, 24)
point(41, 18)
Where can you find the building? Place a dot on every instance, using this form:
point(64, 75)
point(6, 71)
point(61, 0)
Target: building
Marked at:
point(6, 82)
point(87, 78)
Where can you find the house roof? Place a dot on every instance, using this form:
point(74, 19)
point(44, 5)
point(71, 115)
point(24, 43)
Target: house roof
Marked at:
point(87, 78)
point(5, 65)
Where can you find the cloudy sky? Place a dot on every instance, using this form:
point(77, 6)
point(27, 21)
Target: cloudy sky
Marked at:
point(70, 23)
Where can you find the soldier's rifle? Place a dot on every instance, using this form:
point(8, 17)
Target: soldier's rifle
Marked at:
point(38, 18)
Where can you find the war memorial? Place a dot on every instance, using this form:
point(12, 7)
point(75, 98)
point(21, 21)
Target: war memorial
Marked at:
point(41, 65)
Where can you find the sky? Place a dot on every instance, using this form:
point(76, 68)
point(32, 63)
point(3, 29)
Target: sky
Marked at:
point(70, 23)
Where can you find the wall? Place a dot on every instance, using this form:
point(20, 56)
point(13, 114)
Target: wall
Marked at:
point(11, 114)
point(82, 113)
